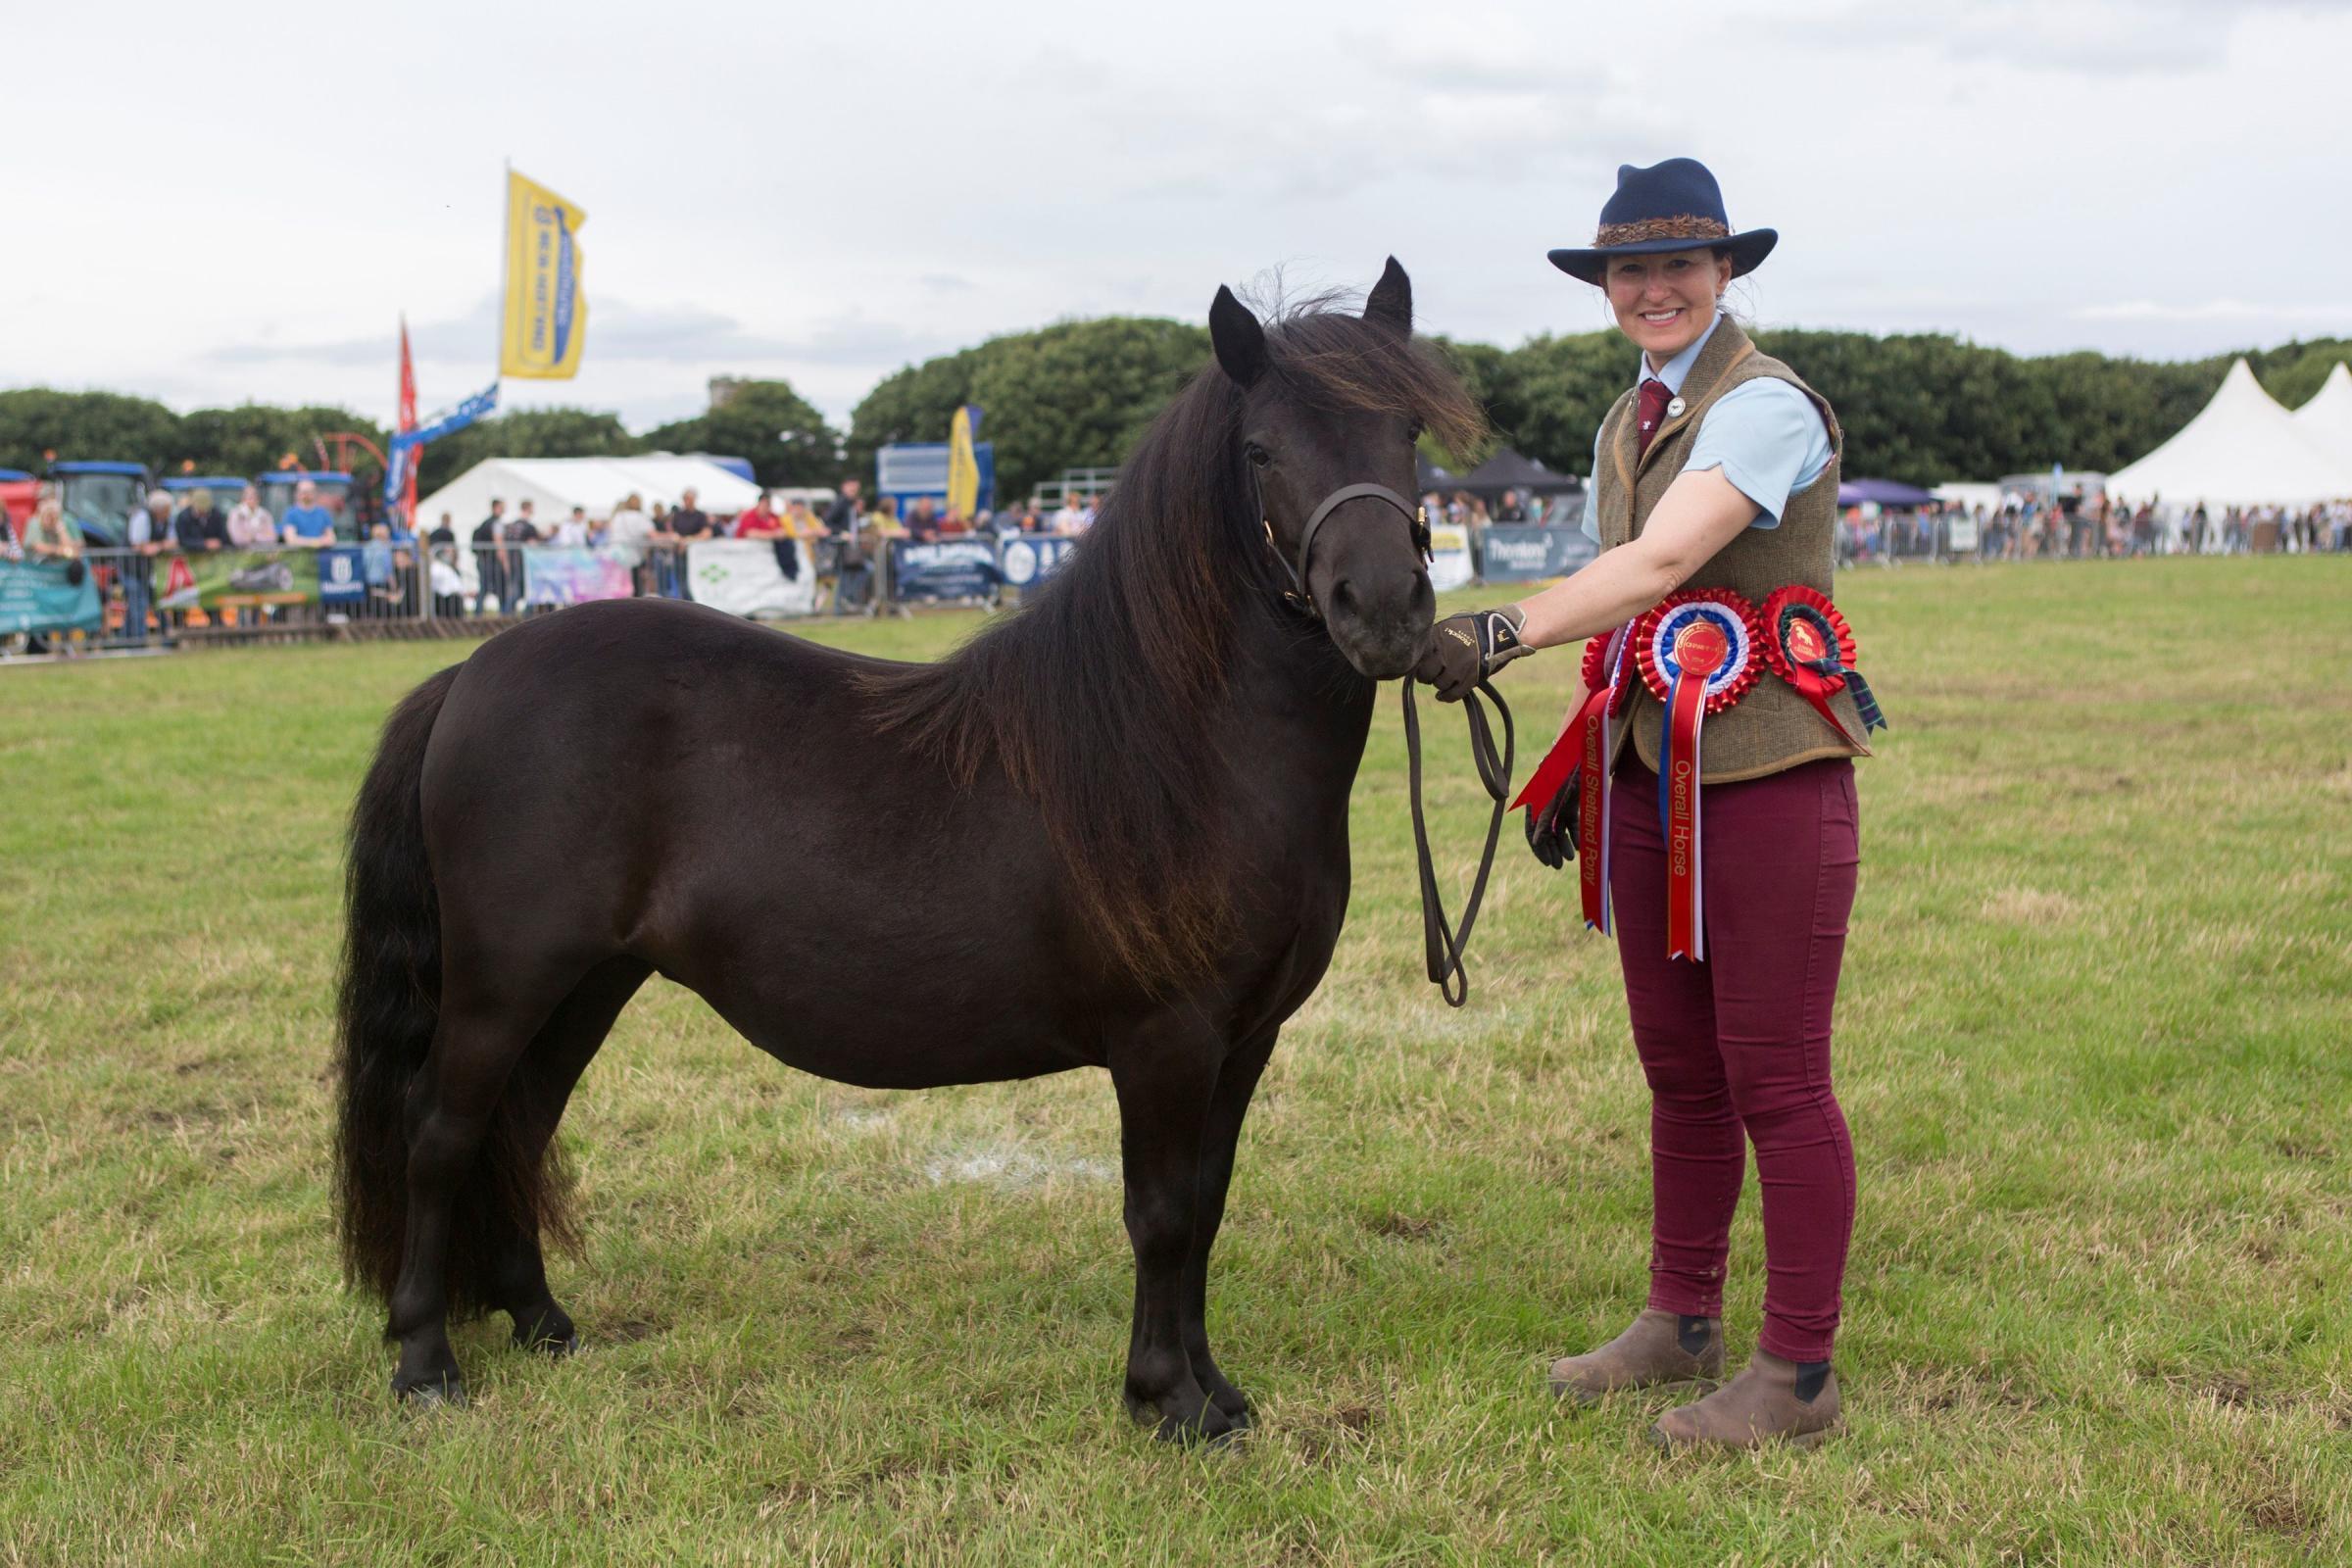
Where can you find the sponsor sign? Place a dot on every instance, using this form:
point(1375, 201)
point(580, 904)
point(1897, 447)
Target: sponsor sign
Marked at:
point(342, 577)
point(1450, 556)
point(741, 577)
point(1026, 561)
point(34, 595)
point(555, 576)
point(946, 568)
point(201, 580)
point(1529, 555)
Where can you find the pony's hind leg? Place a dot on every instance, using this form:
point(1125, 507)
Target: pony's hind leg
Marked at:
point(538, 1091)
point(468, 1189)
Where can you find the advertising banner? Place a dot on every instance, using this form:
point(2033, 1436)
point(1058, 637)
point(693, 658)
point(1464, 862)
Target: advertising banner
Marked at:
point(552, 576)
point(963, 466)
point(1530, 554)
point(741, 577)
point(1450, 556)
point(198, 581)
point(34, 595)
point(342, 575)
point(546, 321)
point(947, 568)
point(1026, 561)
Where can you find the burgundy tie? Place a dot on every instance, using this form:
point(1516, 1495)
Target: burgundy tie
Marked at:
point(1654, 407)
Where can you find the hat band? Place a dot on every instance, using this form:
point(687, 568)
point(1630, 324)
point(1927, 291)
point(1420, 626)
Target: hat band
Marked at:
point(1688, 226)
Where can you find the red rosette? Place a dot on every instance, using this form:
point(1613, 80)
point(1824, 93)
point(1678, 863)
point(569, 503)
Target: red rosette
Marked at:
point(1722, 625)
point(1597, 661)
point(1788, 626)
point(1596, 671)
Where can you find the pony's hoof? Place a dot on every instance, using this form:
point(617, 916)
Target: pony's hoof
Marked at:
point(441, 1393)
point(550, 1333)
point(1211, 1428)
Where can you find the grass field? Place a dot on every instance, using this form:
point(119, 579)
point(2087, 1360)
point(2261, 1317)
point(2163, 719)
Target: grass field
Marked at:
point(2092, 1044)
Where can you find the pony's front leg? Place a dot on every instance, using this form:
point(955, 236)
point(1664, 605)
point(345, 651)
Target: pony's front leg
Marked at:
point(1167, 1076)
point(1237, 1079)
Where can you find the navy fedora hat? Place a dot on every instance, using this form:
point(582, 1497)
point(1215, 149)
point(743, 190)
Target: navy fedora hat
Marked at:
point(1673, 206)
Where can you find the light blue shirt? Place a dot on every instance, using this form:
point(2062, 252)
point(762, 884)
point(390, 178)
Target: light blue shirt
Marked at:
point(1764, 434)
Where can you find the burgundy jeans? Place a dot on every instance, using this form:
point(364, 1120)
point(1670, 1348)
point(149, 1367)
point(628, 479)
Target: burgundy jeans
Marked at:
point(1736, 1050)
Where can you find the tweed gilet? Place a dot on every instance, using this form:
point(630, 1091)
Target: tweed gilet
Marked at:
point(1772, 727)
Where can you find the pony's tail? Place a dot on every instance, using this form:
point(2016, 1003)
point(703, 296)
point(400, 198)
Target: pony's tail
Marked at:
point(389, 1004)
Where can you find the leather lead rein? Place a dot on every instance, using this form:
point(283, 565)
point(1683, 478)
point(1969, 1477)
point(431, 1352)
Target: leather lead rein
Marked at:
point(1443, 946)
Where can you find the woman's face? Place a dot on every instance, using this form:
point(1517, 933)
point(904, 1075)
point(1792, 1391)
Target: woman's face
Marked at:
point(1665, 301)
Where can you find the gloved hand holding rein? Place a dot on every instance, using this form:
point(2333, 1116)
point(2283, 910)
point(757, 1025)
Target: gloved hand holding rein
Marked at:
point(1469, 648)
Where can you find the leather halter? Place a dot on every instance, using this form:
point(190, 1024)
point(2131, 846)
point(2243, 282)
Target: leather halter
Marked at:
point(1441, 944)
point(1417, 518)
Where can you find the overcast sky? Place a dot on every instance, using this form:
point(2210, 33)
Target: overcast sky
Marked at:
point(236, 202)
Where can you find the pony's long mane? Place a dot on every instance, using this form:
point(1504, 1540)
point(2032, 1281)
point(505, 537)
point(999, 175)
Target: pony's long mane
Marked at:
point(1099, 698)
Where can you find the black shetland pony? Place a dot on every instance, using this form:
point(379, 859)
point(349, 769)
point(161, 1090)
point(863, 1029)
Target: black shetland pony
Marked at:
point(1138, 786)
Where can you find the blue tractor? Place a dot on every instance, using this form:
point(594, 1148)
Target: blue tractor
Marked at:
point(334, 494)
point(222, 490)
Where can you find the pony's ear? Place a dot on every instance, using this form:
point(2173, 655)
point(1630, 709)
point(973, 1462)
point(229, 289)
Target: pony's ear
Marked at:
point(1391, 302)
point(1241, 343)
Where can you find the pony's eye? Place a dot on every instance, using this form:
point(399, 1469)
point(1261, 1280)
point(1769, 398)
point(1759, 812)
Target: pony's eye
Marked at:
point(1413, 434)
point(1258, 456)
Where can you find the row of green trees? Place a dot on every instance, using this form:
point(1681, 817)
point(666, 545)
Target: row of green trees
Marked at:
point(785, 438)
point(1920, 407)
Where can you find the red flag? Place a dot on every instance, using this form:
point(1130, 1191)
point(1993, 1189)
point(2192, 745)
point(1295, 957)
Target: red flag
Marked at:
point(408, 422)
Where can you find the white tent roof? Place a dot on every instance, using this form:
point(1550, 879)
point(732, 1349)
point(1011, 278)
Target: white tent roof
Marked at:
point(2243, 449)
point(556, 485)
point(2326, 419)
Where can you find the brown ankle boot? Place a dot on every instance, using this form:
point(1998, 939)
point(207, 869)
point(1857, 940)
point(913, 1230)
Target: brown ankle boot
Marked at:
point(1660, 1349)
point(1773, 1399)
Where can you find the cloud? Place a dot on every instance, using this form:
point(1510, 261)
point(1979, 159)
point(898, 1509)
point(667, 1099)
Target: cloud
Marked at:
point(666, 334)
point(2218, 309)
point(2074, 37)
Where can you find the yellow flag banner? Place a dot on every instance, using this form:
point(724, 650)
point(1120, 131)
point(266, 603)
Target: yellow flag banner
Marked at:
point(545, 316)
point(963, 465)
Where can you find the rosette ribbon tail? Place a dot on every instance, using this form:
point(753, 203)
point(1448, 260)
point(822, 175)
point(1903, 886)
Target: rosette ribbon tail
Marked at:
point(1566, 756)
point(1593, 814)
point(1814, 687)
point(1864, 703)
point(1677, 813)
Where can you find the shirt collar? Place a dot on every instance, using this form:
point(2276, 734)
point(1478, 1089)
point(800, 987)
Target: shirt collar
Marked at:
point(1678, 369)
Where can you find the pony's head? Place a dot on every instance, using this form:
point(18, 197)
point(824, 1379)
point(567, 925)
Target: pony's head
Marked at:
point(1329, 400)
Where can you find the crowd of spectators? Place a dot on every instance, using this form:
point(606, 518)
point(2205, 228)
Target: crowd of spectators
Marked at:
point(2075, 525)
point(1511, 508)
point(847, 540)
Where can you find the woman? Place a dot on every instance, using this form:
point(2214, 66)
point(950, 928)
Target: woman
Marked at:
point(49, 535)
point(250, 525)
point(1717, 471)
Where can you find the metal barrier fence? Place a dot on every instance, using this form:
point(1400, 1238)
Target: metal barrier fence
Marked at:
point(161, 598)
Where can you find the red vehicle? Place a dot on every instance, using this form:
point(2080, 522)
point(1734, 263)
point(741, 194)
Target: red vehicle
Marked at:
point(17, 492)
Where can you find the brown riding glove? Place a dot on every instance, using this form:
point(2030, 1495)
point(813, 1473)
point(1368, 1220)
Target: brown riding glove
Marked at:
point(1467, 648)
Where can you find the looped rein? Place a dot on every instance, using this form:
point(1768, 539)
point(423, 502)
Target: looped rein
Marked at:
point(1443, 945)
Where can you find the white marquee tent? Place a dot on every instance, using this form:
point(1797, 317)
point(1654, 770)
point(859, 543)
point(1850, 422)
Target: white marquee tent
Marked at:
point(2326, 419)
point(2243, 449)
point(555, 485)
